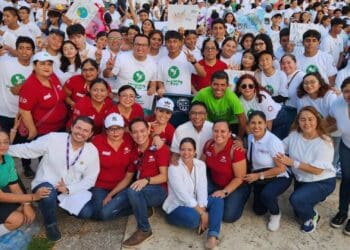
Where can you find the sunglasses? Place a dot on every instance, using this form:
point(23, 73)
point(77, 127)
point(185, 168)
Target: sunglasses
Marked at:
point(249, 86)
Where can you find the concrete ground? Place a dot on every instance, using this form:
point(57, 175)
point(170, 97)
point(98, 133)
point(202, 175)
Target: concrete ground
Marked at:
point(249, 232)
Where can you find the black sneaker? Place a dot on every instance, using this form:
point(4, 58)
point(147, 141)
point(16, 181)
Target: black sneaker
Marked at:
point(347, 228)
point(338, 220)
point(28, 172)
point(52, 233)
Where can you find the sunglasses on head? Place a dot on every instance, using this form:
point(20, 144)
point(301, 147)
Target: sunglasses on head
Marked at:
point(249, 86)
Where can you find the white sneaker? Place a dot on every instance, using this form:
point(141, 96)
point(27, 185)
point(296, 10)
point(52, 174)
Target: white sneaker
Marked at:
point(274, 223)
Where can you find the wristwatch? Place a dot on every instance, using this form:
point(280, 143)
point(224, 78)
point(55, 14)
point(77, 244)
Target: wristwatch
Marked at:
point(225, 192)
point(262, 177)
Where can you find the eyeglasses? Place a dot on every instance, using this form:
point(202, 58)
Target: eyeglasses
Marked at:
point(197, 113)
point(210, 48)
point(249, 86)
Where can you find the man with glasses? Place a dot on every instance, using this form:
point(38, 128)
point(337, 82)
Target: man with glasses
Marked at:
point(137, 69)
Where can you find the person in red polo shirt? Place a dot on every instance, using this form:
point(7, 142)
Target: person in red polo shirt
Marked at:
point(109, 198)
point(150, 187)
point(227, 167)
point(96, 105)
point(41, 102)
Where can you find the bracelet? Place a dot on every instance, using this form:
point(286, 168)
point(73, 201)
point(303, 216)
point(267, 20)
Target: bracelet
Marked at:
point(26, 203)
point(296, 164)
point(194, 62)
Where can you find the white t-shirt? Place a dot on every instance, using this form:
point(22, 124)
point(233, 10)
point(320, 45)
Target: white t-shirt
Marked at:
point(233, 60)
point(317, 152)
point(276, 84)
point(176, 74)
point(267, 105)
point(196, 52)
point(136, 73)
point(264, 150)
point(106, 54)
point(89, 51)
point(342, 74)
point(340, 111)
point(322, 104)
point(12, 73)
point(321, 62)
point(33, 29)
point(293, 84)
point(333, 46)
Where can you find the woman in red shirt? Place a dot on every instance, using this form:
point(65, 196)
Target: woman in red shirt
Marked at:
point(210, 62)
point(109, 198)
point(227, 167)
point(127, 106)
point(96, 104)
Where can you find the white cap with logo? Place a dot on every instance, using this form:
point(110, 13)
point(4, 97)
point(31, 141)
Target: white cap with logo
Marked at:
point(165, 103)
point(42, 57)
point(114, 119)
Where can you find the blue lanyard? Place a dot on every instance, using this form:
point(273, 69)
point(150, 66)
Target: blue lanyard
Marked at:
point(67, 155)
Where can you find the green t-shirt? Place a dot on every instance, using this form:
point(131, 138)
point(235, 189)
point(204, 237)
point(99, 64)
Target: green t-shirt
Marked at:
point(8, 172)
point(225, 108)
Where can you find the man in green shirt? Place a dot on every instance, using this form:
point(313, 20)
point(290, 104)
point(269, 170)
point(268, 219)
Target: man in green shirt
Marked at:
point(222, 103)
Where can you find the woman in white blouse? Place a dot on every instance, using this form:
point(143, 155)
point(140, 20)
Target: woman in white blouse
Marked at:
point(268, 177)
point(310, 153)
point(188, 204)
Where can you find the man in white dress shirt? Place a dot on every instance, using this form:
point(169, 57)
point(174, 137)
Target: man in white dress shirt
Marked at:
point(69, 167)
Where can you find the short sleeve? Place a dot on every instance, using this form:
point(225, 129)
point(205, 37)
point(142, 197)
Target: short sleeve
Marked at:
point(276, 147)
point(163, 156)
point(27, 98)
point(237, 105)
point(13, 177)
point(238, 155)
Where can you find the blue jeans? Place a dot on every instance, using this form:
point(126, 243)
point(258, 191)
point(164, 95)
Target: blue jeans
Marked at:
point(188, 217)
point(149, 196)
point(344, 191)
point(117, 207)
point(234, 203)
point(307, 194)
point(283, 121)
point(266, 195)
point(48, 205)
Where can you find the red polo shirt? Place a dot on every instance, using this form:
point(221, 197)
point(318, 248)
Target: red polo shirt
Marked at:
point(168, 133)
point(136, 111)
point(148, 163)
point(39, 100)
point(220, 164)
point(113, 164)
point(85, 107)
point(202, 82)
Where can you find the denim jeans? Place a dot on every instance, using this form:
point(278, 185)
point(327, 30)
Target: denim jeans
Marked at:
point(48, 205)
point(234, 203)
point(283, 121)
point(149, 196)
point(344, 191)
point(118, 206)
point(307, 194)
point(188, 217)
point(266, 195)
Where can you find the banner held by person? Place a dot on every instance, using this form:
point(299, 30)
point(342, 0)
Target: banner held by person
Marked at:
point(184, 16)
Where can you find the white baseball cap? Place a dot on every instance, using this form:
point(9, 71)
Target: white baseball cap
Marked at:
point(165, 103)
point(200, 1)
point(114, 119)
point(42, 57)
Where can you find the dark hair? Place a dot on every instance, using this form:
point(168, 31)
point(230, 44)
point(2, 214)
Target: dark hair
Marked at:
point(233, 20)
point(245, 36)
point(107, 18)
point(54, 13)
point(220, 75)
point(57, 32)
point(263, 53)
point(141, 35)
point(255, 65)
point(267, 40)
point(25, 8)
point(198, 103)
point(284, 32)
point(99, 80)
point(172, 34)
point(345, 83)
point(64, 60)
point(257, 113)
point(154, 32)
point(215, 43)
point(91, 61)
point(223, 121)
point(317, 20)
point(138, 119)
point(114, 30)
point(75, 29)
point(85, 119)
point(148, 20)
point(12, 10)
point(125, 87)
point(324, 87)
point(142, 11)
point(25, 39)
point(289, 55)
point(312, 33)
point(258, 88)
point(336, 21)
point(101, 34)
point(227, 39)
point(133, 27)
point(4, 131)
point(216, 21)
point(190, 32)
point(189, 140)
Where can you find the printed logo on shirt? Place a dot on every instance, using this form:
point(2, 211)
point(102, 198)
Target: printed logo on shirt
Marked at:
point(46, 97)
point(208, 153)
point(23, 100)
point(17, 79)
point(270, 108)
point(270, 89)
point(139, 76)
point(106, 153)
point(173, 72)
point(312, 69)
point(250, 111)
point(126, 150)
point(223, 159)
point(151, 158)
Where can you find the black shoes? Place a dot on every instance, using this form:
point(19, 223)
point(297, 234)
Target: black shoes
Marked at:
point(28, 172)
point(52, 233)
point(338, 220)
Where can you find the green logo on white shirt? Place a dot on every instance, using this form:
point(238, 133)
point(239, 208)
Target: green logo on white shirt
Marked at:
point(250, 111)
point(17, 79)
point(139, 76)
point(270, 89)
point(312, 69)
point(173, 72)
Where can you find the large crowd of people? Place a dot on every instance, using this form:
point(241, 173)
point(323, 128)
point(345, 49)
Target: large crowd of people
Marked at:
point(104, 117)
